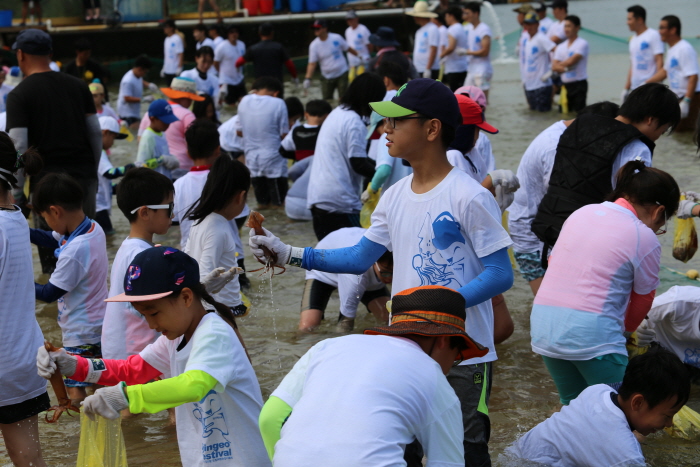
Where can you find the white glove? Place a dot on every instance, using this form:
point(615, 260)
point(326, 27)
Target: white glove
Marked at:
point(295, 82)
point(148, 99)
point(461, 51)
point(307, 83)
point(546, 76)
point(169, 162)
point(106, 402)
point(623, 95)
point(153, 87)
point(178, 71)
point(272, 243)
point(46, 362)
point(218, 278)
point(162, 72)
point(685, 107)
point(427, 74)
point(366, 194)
point(506, 179)
point(504, 198)
point(443, 60)
point(645, 334)
point(223, 90)
point(685, 209)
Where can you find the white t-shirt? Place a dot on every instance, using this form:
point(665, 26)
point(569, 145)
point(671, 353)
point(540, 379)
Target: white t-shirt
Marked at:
point(479, 65)
point(264, 122)
point(212, 244)
point(188, 189)
point(632, 150)
point(350, 287)
point(457, 63)
point(545, 24)
point(439, 237)
point(20, 334)
point(644, 48)
point(218, 40)
point(358, 39)
point(209, 86)
point(108, 111)
point(335, 186)
point(536, 61)
point(426, 37)
point(359, 400)
point(520, 50)
point(556, 30)
point(228, 136)
point(81, 270)
point(104, 186)
point(172, 47)
point(206, 42)
point(3, 121)
point(681, 63)
point(579, 71)
point(533, 173)
point(133, 87)
point(329, 55)
point(675, 317)
point(608, 439)
point(222, 428)
point(478, 162)
point(227, 54)
point(4, 91)
point(125, 331)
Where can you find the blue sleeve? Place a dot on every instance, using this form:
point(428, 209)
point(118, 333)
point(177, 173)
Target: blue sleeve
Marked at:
point(380, 176)
point(351, 260)
point(48, 292)
point(496, 278)
point(43, 238)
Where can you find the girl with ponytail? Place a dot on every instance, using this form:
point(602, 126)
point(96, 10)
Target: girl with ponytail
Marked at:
point(602, 277)
point(23, 394)
point(208, 378)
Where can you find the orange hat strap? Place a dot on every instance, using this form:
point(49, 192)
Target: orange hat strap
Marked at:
point(434, 317)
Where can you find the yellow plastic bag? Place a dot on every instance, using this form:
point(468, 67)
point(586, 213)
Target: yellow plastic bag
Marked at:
point(368, 209)
point(685, 239)
point(101, 443)
point(686, 424)
point(564, 100)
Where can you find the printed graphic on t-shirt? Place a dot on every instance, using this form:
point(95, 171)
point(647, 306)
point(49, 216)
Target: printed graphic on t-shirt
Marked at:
point(692, 357)
point(215, 443)
point(336, 50)
point(441, 248)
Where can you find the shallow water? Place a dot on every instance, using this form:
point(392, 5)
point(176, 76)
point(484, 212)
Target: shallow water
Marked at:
point(523, 393)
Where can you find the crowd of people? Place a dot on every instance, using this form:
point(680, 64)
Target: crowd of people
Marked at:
point(407, 134)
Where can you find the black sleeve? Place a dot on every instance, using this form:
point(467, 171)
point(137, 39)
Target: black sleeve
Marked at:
point(89, 101)
point(288, 154)
point(17, 113)
point(363, 166)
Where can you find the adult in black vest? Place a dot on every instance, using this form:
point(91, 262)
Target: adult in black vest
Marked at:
point(593, 148)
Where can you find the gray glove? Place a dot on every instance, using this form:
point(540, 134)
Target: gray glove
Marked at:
point(46, 362)
point(162, 72)
point(366, 194)
point(504, 198)
point(219, 277)
point(461, 51)
point(685, 107)
point(169, 162)
point(106, 402)
point(685, 209)
point(273, 244)
point(307, 83)
point(427, 74)
point(153, 87)
point(148, 99)
point(645, 334)
point(506, 179)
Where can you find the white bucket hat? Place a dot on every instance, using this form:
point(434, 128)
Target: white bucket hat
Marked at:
point(420, 9)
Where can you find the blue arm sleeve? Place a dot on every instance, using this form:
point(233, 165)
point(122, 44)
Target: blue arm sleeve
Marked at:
point(48, 292)
point(496, 278)
point(42, 238)
point(351, 260)
point(380, 176)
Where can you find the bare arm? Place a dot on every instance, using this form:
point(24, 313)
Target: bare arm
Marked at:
point(216, 65)
point(485, 48)
point(561, 66)
point(451, 45)
point(692, 84)
point(353, 51)
point(628, 83)
point(431, 57)
point(556, 39)
point(132, 99)
point(660, 74)
point(310, 68)
point(180, 59)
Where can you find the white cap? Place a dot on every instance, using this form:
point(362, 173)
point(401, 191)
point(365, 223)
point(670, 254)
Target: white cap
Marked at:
point(109, 123)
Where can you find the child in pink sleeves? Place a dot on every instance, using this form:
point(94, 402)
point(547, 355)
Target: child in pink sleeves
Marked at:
point(601, 280)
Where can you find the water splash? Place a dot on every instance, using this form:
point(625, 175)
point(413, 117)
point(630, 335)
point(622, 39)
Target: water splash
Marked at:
point(496, 24)
point(274, 314)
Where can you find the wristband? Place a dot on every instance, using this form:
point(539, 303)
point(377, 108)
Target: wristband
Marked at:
point(95, 368)
point(687, 99)
point(295, 256)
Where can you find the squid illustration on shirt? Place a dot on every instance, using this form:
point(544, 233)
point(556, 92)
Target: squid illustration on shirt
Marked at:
point(440, 258)
point(210, 414)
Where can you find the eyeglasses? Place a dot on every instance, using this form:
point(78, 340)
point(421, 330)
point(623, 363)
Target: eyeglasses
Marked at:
point(169, 207)
point(392, 120)
point(381, 273)
point(665, 227)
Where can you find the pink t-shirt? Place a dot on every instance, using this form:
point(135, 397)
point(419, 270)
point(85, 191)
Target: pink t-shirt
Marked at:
point(175, 134)
point(603, 253)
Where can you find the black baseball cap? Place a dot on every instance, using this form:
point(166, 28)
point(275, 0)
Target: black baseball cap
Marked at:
point(559, 4)
point(156, 273)
point(422, 96)
point(33, 42)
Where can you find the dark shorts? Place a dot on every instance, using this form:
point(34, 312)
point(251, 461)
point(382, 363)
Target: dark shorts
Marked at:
point(102, 218)
point(270, 190)
point(87, 351)
point(91, 4)
point(317, 294)
point(328, 86)
point(326, 222)
point(130, 120)
point(576, 93)
point(540, 99)
point(22, 410)
point(454, 80)
point(234, 92)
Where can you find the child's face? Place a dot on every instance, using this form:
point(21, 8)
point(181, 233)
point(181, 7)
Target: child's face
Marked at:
point(204, 62)
point(198, 35)
point(384, 273)
point(408, 138)
point(107, 139)
point(159, 125)
point(140, 72)
point(160, 221)
point(647, 421)
point(98, 98)
point(172, 317)
point(292, 120)
point(55, 219)
point(168, 31)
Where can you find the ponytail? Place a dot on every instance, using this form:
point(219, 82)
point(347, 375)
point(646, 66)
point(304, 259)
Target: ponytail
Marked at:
point(12, 161)
point(646, 186)
point(221, 309)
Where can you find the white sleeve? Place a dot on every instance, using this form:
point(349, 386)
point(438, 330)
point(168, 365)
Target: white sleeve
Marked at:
point(689, 62)
point(343, 43)
point(646, 273)
point(630, 152)
point(582, 48)
point(560, 52)
point(211, 250)
point(283, 119)
point(288, 142)
point(482, 219)
point(313, 52)
point(219, 52)
point(179, 48)
point(547, 43)
point(657, 45)
point(442, 440)
point(350, 290)
point(356, 142)
point(211, 352)
point(70, 271)
point(291, 388)
point(434, 37)
point(158, 356)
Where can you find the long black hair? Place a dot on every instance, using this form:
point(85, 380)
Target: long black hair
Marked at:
point(201, 293)
point(11, 162)
point(226, 179)
point(646, 186)
point(366, 88)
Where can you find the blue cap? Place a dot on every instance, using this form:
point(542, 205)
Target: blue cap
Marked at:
point(422, 96)
point(33, 42)
point(156, 273)
point(163, 111)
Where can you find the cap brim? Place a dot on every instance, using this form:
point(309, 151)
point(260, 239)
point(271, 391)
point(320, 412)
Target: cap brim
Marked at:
point(426, 14)
point(120, 135)
point(123, 297)
point(168, 118)
point(389, 109)
point(173, 94)
point(488, 128)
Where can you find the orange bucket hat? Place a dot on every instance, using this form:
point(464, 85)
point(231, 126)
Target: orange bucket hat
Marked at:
point(182, 88)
